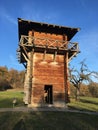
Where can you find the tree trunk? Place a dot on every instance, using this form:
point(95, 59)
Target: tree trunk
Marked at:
point(77, 94)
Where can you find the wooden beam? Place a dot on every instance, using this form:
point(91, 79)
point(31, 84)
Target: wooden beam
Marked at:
point(66, 82)
point(65, 38)
point(25, 52)
point(55, 53)
point(44, 55)
point(25, 57)
point(28, 77)
point(25, 64)
point(74, 54)
point(28, 80)
point(30, 38)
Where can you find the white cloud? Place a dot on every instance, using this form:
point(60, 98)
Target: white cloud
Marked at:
point(31, 12)
point(10, 19)
point(6, 16)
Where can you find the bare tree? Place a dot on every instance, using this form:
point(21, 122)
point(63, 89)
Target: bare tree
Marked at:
point(78, 76)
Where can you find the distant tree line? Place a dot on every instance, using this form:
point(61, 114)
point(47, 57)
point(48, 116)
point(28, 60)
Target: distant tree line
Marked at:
point(90, 90)
point(11, 78)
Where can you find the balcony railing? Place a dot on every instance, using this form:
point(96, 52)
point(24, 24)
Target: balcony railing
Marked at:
point(47, 43)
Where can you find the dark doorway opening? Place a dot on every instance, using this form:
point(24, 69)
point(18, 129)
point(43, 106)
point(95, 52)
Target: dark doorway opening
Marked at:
point(48, 92)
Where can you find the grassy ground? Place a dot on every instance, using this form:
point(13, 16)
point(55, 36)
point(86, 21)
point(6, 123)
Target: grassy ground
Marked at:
point(85, 104)
point(6, 98)
point(47, 121)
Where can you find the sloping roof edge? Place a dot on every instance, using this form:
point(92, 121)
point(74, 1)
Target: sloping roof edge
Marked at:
point(25, 25)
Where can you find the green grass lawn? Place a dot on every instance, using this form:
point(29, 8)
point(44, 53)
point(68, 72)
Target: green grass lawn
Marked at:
point(85, 104)
point(47, 121)
point(6, 98)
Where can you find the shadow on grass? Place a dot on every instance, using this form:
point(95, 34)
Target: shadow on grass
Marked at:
point(20, 125)
point(46, 120)
point(79, 109)
point(8, 103)
point(88, 101)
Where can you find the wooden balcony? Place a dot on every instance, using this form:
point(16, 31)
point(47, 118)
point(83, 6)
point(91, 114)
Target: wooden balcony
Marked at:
point(40, 45)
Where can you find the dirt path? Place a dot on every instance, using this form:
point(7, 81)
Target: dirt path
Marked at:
point(25, 109)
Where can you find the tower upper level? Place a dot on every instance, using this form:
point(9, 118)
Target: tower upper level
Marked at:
point(45, 38)
point(24, 26)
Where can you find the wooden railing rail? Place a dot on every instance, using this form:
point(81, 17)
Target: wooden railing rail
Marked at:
point(46, 42)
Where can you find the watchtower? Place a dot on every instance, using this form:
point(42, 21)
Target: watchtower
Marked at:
point(45, 51)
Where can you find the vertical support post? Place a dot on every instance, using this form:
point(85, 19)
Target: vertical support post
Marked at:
point(55, 53)
point(28, 76)
point(28, 80)
point(30, 38)
point(65, 39)
point(66, 82)
point(44, 55)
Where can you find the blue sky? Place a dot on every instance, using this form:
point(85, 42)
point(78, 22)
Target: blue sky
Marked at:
point(72, 13)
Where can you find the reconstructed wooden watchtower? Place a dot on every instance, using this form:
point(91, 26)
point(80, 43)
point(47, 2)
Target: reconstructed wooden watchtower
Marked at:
point(45, 50)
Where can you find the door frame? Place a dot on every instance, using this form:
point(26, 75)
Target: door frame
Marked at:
point(48, 92)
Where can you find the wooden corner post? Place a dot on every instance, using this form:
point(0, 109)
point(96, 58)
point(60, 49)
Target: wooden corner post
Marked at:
point(29, 71)
point(66, 81)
